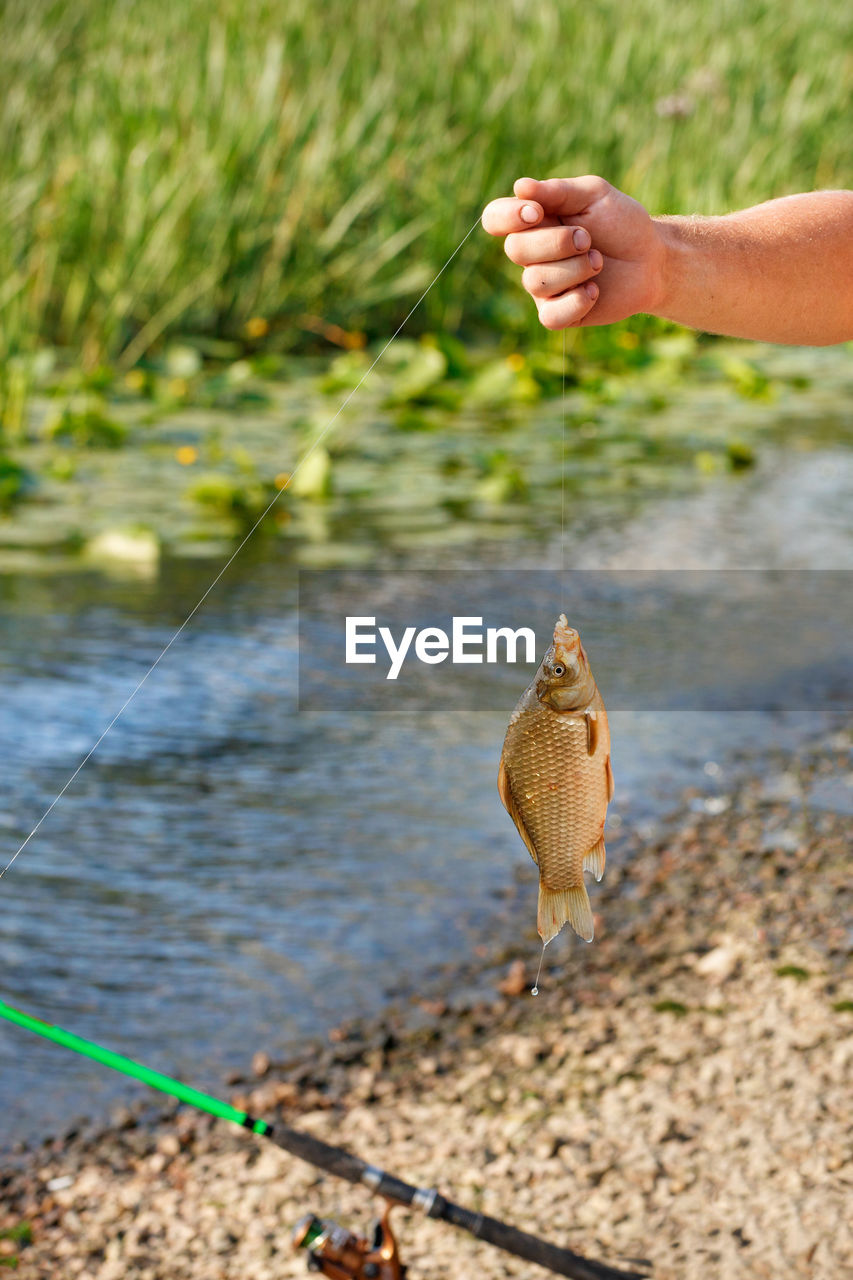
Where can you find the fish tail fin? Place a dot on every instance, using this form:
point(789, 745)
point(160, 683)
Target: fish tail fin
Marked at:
point(556, 906)
point(594, 860)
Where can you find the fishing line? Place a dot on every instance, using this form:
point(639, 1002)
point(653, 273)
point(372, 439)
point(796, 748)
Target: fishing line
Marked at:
point(228, 563)
point(534, 990)
point(563, 488)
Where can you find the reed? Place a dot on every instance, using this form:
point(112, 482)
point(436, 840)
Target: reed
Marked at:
point(186, 168)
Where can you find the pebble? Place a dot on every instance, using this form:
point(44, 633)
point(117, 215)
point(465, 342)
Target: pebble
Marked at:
point(261, 1064)
point(515, 983)
point(60, 1183)
point(719, 964)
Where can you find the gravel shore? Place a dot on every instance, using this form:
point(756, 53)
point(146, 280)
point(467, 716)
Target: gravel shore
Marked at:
point(679, 1093)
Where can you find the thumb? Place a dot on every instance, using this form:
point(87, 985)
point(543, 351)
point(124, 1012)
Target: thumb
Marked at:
point(564, 197)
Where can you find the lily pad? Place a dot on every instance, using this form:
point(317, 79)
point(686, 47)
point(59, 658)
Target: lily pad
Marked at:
point(503, 382)
point(313, 476)
point(85, 424)
point(425, 367)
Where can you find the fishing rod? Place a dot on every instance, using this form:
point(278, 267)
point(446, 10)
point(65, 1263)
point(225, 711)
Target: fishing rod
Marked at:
point(331, 1249)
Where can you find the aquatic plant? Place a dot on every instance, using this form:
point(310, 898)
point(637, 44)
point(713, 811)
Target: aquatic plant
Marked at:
point(86, 424)
point(15, 481)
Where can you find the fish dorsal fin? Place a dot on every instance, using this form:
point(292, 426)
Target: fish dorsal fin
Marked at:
point(505, 792)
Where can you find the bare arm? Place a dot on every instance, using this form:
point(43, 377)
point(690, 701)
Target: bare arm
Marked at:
point(779, 272)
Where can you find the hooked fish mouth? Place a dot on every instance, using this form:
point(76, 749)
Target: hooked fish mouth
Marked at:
point(567, 643)
point(563, 633)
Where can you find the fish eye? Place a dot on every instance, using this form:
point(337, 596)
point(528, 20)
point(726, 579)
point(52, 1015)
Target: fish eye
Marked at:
point(559, 669)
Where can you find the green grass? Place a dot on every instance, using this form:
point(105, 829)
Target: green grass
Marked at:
point(793, 971)
point(182, 168)
point(22, 1234)
point(671, 1006)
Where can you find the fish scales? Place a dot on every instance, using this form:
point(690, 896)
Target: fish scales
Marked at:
point(555, 780)
point(563, 788)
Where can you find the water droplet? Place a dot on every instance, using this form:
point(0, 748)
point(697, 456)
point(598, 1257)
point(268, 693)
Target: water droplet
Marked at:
point(534, 991)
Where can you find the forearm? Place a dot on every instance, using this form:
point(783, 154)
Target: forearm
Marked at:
point(779, 272)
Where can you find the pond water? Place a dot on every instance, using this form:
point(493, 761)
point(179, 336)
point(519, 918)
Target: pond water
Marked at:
point(230, 873)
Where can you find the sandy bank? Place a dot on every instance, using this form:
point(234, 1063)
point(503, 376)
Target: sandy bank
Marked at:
point(680, 1092)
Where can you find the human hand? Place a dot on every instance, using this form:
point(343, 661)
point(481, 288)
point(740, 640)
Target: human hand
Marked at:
point(591, 254)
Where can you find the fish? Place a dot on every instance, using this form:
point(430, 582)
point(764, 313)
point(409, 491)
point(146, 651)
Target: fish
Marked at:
point(556, 781)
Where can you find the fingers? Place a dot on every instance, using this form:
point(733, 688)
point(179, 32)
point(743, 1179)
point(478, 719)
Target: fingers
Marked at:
point(559, 197)
point(558, 259)
point(569, 310)
point(550, 279)
point(546, 244)
point(501, 217)
point(564, 197)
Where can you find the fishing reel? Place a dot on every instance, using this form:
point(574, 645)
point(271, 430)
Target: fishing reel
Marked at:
point(340, 1255)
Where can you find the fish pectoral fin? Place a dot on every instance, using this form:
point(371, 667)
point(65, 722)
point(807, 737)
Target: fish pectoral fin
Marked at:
point(505, 792)
point(594, 860)
point(591, 732)
point(608, 774)
point(556, 906)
